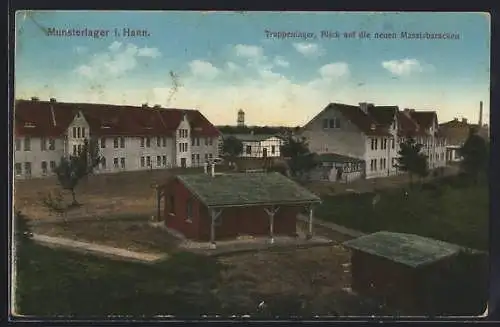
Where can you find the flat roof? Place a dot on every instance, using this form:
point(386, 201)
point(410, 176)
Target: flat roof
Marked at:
point(247, 189)
point(408, 249)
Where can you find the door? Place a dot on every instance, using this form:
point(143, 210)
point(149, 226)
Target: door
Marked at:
point(264, 153)
point(183, 162)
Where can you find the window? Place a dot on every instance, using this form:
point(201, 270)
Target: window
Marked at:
point(192, 142)
point(171, 204)
point(27, 168)
point(210, 156)
point(206, 157)
point(115, 143)
point(197, 159)
point(384, 144)
point(381, 163)
point(103, 163)
point(164, 141)
point(189, 210)
point(27, 144)
point(52, 144)
point(19, 169)
point(372, 144)
point(103, 142)
point(148, 161)
point(142, 142)
point(248, 149)
point(74, 150)
point(331, 123)
point(122, 162)
point(83, 132)
point(122, 142)
point(74, 132)
point(193, 157)
point(197, 141)
point(164, 160)
point(273, 149)
point(325, 123)
point(376, 144)
point(43, 144)
point(210, 141)
point(142, 162)
point(78, 130)
point(180, 147)
point(158, 141)
point(148, 142)
point(115, 162)
point(18, 144)
point(158, 161)
point(44, 167)
point(393, 142)
point(53, 165)
point(206, 141)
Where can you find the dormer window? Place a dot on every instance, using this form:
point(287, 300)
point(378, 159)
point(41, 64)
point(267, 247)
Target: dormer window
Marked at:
point(29, 125)
point(372, 127)
point(105, 126)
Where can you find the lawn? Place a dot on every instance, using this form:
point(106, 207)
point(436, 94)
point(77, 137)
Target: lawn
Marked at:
point(450, 211)
point(308, 281)
point(126, 234)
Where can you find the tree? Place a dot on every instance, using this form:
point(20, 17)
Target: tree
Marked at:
point(412, 160)
point(71, 170)
point(232, 148)
point(300, 160)
point(475, 156)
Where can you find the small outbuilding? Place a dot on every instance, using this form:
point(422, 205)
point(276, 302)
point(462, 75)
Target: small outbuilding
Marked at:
point(210, 206)
point(334, 167)
point(397, 267)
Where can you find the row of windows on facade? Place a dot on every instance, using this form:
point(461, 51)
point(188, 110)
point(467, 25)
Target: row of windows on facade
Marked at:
point(18, 167)
point(248, 149)
point(383, 143)
point(79, 132)
point(45, 144)
point(331, 123)
point(383, 161)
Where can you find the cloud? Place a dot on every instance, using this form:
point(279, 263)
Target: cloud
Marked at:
point(204, 69)
point(248, 51)
point(405, 67)
point(309, 49)
point(119, 59)
point(280, 61)
point(334, 70)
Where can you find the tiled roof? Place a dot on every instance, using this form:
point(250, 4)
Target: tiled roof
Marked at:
point(407, 126)
point(252, 137)
point(408, 249)
point(51, 119)
point(423, 118)
point(360, 119)
point(455, 123)
point(249, 189)
point(383, 115)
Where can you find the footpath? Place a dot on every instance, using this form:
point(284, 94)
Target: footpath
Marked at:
point(332, 226)
point(98, 249)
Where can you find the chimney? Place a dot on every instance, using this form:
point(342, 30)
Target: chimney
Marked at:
point(205, 167)
point(212, 169)
point(464, 120)
point(480, 123)
point(35, 99)
point(364, 107)
point(53, 100)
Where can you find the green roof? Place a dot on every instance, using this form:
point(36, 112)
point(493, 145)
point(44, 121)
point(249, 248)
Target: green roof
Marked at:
point(334, 157)
point(408, 249)
point(235, 189)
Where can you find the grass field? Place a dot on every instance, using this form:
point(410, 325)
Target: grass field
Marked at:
point(452, 212)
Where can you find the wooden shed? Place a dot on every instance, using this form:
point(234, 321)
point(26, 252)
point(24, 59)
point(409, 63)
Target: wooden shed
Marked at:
point(210, 207)
point(398, 268)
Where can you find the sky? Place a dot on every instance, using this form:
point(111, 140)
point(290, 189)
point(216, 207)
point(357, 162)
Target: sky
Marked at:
point(220, 62)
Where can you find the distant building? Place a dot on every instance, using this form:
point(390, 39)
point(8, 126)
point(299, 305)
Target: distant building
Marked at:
point(259, 145)
point(373, 134)
point(457, 131)
point(129, 138)
point(240, 121)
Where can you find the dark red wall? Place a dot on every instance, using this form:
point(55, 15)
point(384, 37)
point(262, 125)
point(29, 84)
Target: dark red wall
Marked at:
point(233, 221)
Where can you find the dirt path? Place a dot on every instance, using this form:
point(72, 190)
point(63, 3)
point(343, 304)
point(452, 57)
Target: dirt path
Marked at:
point(96, 248)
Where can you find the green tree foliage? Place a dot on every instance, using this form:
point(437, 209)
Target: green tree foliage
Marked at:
point(232, 148)
point(300, 160)
point(412, 160)
point(475, 155)
point(71, 170)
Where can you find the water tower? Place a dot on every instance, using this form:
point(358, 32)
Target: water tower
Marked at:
point(240, 122)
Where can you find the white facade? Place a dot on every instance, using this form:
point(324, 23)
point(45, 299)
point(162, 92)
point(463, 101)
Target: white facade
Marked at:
point(33, 159)
point(266, 148)
point(330, 132)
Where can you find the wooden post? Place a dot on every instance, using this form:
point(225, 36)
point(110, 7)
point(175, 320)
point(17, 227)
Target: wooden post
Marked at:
point(214, 214)
point(310, 231)
point(271, 214)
